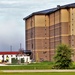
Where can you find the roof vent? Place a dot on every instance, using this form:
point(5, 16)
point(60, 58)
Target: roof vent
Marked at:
point(58, 6)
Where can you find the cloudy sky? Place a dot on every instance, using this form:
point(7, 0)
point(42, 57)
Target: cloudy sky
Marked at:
point(12, 13)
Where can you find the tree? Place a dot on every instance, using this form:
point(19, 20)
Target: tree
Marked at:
point(63, 57)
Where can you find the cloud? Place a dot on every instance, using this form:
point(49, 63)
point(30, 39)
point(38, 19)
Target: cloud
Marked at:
point(12, 13)
point(11, 33)
point(12, 1)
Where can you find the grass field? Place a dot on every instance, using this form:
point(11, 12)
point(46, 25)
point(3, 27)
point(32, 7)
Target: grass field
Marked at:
point(71, 73)
point(32, 66)
point(24, 67)
point(42, 65)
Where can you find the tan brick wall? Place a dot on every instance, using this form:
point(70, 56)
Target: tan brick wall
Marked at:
point(28, 34)
point(42, 56)
point(46, 20)
point(52, 19)
point(41, 31)
point(33, 21)
point(28, 45)
point(64, 15)
point(52, 52)
point(52, 45)
point(72, 41)
point(57, 17)
point(39, 20)
point(51, 30)
point(42, 44)
point(65, 40)
point(28, 23)
point(65, 28)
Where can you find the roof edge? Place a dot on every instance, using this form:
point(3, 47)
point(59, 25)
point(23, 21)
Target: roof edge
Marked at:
point(44, 12)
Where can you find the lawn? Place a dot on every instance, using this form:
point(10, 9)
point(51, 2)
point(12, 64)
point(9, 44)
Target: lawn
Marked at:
point(32, 66)
point(41, 65)
point(41, 73)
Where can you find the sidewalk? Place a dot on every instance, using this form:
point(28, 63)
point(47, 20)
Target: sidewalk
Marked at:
point(38, 70)
point(3, 65)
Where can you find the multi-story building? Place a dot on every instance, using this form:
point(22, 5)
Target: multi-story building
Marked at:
point(48, 28)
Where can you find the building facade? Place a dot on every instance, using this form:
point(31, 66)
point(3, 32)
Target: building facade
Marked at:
point(48, 28)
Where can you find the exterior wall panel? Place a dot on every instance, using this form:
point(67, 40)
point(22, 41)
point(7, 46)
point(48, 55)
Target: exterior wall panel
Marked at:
point(42, 55)
point(65, 40)
point(42, 32)
point(39, 20)
point(28, 26)
point(51, 19)
point(65, 28)
point(42, 44)
point(64, 15)
point(57, 16)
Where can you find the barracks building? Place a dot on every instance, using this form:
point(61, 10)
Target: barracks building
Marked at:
point(48, 28)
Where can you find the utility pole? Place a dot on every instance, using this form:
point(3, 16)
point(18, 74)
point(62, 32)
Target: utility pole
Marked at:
point(11, 48)
point(20, 46)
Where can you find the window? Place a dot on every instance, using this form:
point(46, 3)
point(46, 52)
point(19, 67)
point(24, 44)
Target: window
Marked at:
point(45, 43)
point(31, 34)
point(45, 28)
point(44, 52)
point(45, 47)
point(72, 29)
point(45, 33)
point(32, 46)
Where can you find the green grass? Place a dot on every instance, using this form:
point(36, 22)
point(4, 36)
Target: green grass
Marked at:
point(42, 65)
point(32, 66)
point(41, 73)
point(28, 67)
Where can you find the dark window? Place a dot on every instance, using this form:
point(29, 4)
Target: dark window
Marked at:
point(45, 33)
point(45, 28)
point(31, 34)
point(45, 47)
point(32, 46)
point(44, 52)
point(45, 42)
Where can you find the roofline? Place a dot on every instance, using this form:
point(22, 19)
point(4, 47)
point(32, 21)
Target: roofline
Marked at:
point(57, 8)
point(9, 52)
point(33, 15)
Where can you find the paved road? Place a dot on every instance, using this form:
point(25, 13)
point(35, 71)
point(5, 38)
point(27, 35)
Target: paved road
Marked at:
point(38, 70)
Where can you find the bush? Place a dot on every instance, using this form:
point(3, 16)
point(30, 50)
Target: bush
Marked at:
point(63, 57)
